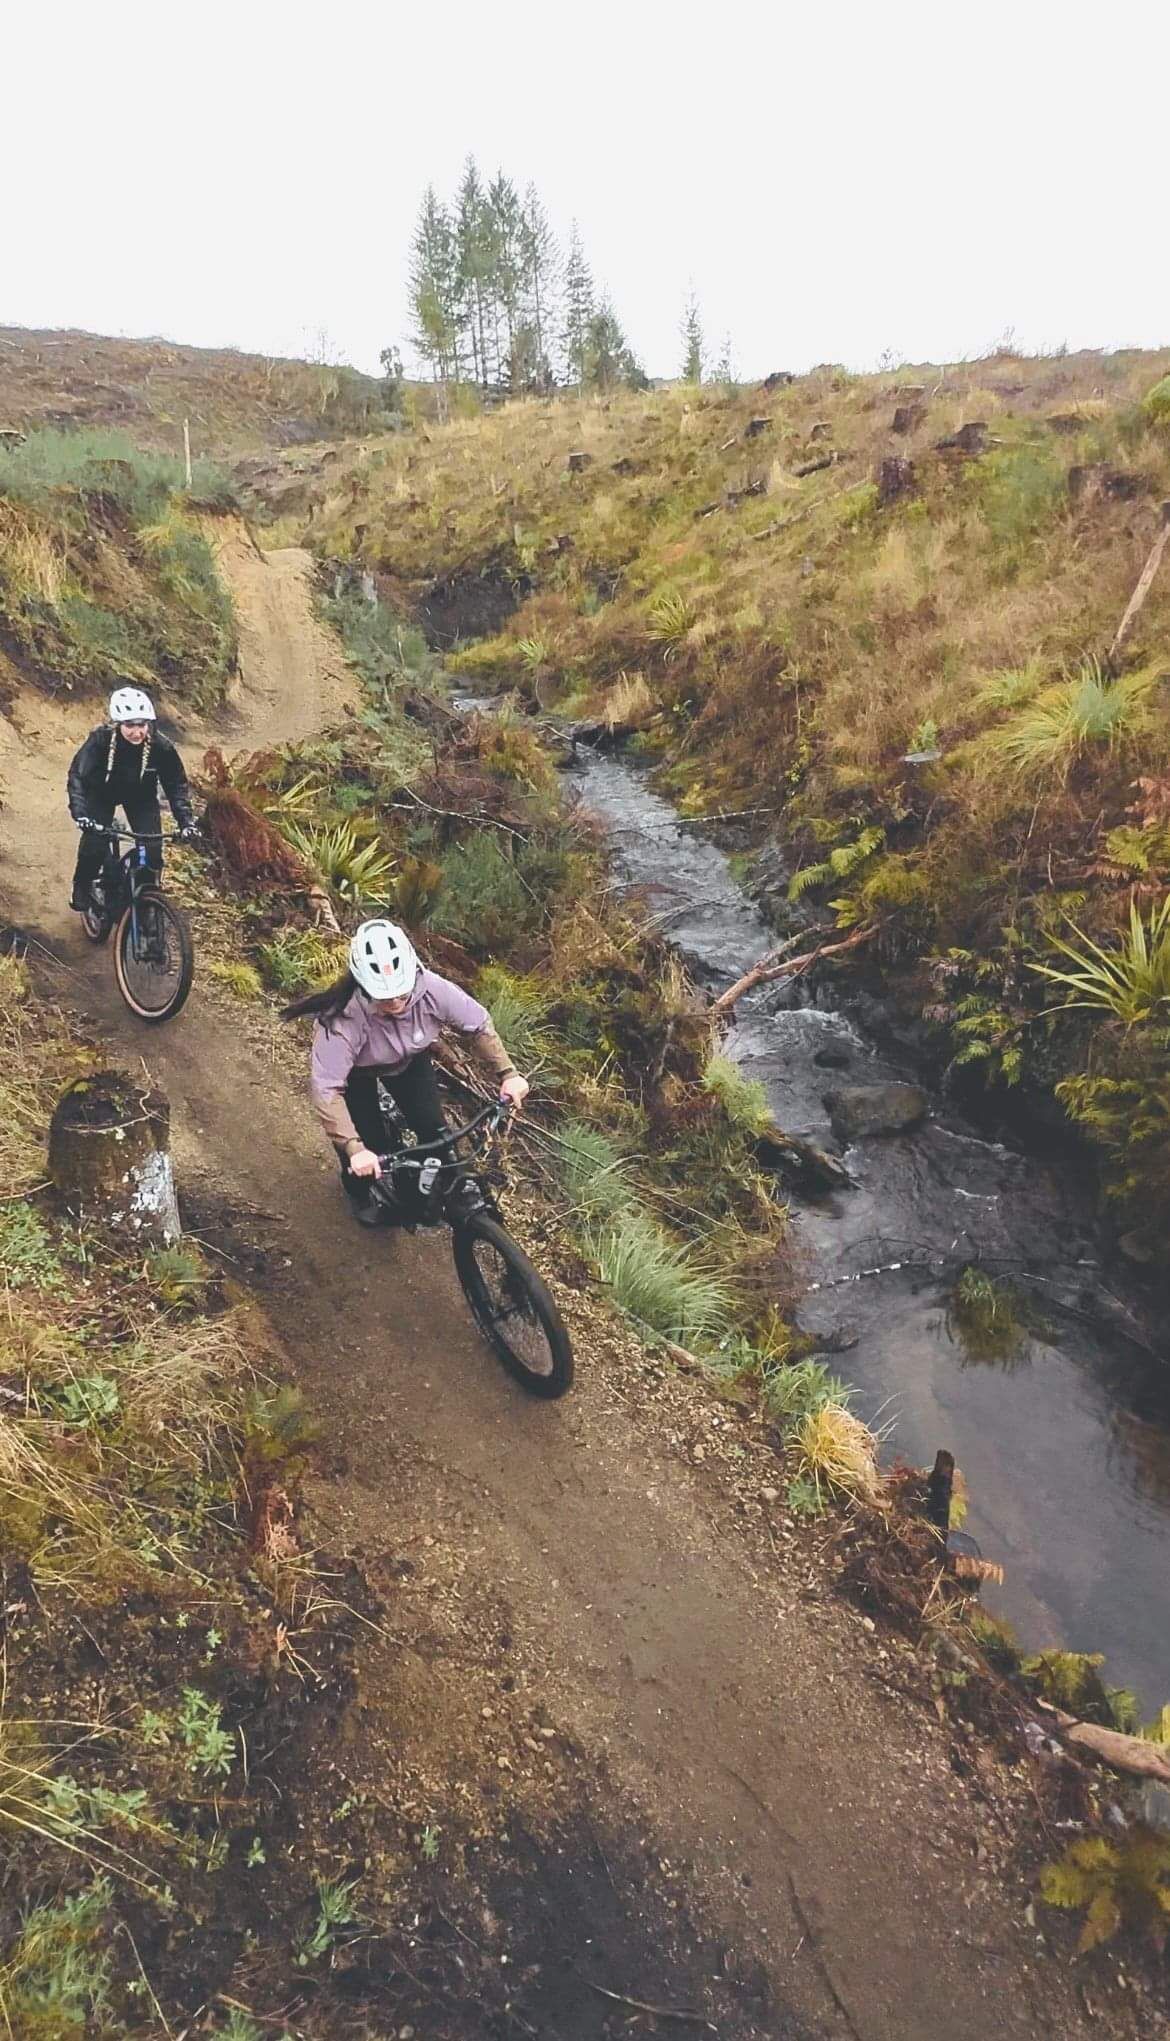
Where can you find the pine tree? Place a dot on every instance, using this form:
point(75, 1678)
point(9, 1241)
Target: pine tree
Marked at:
point(506, 254)
point(474, 240)
point(724, 370)
point(540, 259)
point(607, 358)
point(579, 310)
point(691, 332)
point(434, 293)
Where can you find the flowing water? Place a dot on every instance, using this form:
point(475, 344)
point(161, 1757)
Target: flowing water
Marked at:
point(1065, 1439)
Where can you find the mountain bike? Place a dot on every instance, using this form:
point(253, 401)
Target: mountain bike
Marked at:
point(154, 951)
point(430, 1184)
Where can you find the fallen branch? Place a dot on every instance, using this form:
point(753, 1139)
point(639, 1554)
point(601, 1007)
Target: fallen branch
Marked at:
point(1145, 583)
point(1122, 1753)
point(641, 2005)
point(777, 966)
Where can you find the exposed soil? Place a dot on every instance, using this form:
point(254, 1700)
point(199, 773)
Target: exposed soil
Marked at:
point(742, 1782)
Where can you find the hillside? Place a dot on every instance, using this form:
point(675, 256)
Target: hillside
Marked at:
point(871, 610)
point(146, 388)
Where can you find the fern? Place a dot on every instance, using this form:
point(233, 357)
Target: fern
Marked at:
point(840, 863)
point(1122, 1884)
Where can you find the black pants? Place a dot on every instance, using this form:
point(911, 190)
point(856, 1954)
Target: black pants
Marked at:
point(416, 1094)
point(142, 813)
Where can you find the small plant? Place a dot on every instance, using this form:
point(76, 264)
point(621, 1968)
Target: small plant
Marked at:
point(299, 957)
point(925, 737)
point(334, 1912)
point(240, 2027)
point(1130, 983)
point(670, 616)
point(804, 1498)
point(178, 1275)
point(985, 1313)
point(835, 1450)
point(28, 1259)
point(744, 1101)
point(428, 1843)
point(56, 1979)
point(841, 863)
point(794, 1390)
point(1118, 1883)
point(242, 979)
point(195, 1727)
point(1156, 402)
point(359, 871)
point(86, 1399)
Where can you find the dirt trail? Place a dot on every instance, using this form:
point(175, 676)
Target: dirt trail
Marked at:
point(735, 1721)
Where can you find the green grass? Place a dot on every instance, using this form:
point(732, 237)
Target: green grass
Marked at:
point(659, 1283)
point(744, 1101)
point(110, 464)
point(519, 1008)
point(596, 1174)
point(1087, 712)
point(792, 1390)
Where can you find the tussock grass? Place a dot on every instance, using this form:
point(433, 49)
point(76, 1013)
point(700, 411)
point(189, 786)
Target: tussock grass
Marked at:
point(519, 1005)
point(659, 1283)
point(743, 1099)
point(1129, 983)
point(836, 1451)
point(1087, 711)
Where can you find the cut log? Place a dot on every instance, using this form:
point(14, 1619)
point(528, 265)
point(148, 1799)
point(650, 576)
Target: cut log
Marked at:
point(1132, 1754)
point(109, 1157)
point(828, 460)
point(895, 479)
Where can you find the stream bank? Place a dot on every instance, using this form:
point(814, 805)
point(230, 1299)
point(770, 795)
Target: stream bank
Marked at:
point(1062, 1424)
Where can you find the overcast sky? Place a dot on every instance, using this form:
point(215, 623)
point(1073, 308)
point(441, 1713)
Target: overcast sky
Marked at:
point(838, 182)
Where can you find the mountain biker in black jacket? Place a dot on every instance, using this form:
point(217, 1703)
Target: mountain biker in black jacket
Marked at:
point(124, 762)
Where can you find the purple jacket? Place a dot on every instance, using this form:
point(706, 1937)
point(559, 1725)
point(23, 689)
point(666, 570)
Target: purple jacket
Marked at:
point(360, 1039)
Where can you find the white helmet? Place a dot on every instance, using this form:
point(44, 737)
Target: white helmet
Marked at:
point(383, 960)
point(130, 705)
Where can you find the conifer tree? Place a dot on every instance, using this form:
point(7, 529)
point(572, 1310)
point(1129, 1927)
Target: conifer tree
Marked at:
point(434, 293)
point(691, 331)
point(579, 309)
point(474, 241)
point(540, 259)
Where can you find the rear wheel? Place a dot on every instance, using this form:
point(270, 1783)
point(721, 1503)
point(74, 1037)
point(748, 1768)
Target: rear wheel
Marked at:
point(154, 974)
point(513, 1307)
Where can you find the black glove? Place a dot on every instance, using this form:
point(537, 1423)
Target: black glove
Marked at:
point(190, 832)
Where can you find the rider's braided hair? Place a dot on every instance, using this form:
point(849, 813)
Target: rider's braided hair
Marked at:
point(326, 1004)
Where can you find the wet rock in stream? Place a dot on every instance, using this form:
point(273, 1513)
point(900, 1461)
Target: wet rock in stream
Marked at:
point(858, 1110)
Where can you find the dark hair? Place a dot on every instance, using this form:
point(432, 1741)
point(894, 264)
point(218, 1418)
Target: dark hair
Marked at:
point(326, 1004)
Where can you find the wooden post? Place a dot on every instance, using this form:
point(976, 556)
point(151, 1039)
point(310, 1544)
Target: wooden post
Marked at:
point(109, 1157)
point(1145, 583)
point(187, 448)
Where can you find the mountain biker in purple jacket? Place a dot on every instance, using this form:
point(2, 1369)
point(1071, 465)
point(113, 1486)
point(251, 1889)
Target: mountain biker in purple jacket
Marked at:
point(124, 762)
point(379, 1022)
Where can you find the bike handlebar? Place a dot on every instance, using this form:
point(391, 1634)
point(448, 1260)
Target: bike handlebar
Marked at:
point(498, 1112)
point(134, 835)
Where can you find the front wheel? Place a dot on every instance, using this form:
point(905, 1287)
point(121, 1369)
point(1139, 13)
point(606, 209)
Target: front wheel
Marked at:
point(513, 1307)
point(154, 957)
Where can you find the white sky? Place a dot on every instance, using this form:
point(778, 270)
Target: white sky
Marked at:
point(836, 180)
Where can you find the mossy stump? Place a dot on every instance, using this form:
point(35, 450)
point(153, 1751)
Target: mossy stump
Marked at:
point(109, 1157)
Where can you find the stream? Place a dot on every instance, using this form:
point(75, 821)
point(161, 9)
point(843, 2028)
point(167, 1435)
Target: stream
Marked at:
point(1064, 1440)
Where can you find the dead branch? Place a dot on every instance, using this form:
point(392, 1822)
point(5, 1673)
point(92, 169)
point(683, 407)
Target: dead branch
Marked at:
point(640, 2005)
point(1145, 583)
point(1121, 1753)
point(778, 966)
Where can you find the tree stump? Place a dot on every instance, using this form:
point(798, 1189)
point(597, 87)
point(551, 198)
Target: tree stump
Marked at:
point(895, 479)
point(821, 430)
point(969, 439)
point(779, 379)
point(908, 417)
point(755, 426)
point(109, 1157)
point(577, 461)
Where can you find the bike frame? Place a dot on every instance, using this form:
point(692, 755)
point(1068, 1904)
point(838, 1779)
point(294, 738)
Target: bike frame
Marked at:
point(124, 878)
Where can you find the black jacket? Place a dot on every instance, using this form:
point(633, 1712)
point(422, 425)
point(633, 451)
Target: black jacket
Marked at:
point(109, 770)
